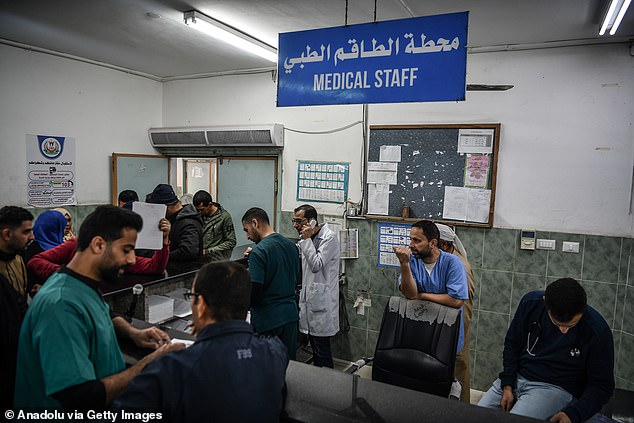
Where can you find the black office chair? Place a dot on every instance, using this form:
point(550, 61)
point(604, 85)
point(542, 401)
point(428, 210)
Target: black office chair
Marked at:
point(417, 343)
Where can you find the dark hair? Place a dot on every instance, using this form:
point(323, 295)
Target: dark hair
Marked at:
point(128, 195)
point(257, 214)
point(309, 211)
point(12, 216)
point(226, 288)
point(430, 230)
point(564, 299)
point(107, 222)
point(203, 197)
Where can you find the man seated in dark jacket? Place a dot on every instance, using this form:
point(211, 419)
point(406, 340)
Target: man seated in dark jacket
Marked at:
point(229, 374)
point(558, 358)
point(187, 224)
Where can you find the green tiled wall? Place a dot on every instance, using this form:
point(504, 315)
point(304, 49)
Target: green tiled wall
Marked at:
point(503, 273)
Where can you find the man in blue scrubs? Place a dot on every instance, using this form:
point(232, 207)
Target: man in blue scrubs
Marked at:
point(428, 273)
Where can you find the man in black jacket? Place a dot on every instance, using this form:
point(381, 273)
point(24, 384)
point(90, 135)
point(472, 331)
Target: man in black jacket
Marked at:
point(558, 358)
point(16, 232)
point(187, 224)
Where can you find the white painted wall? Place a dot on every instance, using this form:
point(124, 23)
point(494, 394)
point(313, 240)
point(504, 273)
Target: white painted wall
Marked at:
point(566, 150)
point(105, 110)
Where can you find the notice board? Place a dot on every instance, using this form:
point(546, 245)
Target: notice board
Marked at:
point(441, 172)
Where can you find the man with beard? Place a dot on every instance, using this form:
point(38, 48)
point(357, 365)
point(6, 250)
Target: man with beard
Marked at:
point(68, 355)
point(16, 231)
point(319, 298)
point(428, 273)
point(274, 268)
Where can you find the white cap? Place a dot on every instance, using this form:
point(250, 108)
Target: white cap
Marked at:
point(447, 234)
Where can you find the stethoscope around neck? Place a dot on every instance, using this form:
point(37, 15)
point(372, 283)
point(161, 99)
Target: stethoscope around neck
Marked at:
point(535, 328)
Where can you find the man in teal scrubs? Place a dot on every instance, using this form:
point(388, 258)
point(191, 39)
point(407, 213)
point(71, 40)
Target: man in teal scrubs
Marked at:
point(274, 269)
point(68, 354)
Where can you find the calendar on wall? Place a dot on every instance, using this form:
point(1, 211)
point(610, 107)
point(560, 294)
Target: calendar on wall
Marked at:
point(391, 235)
point(325, 182)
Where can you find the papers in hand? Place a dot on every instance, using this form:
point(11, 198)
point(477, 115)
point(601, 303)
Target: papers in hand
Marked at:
point(150, 237)
point(187, 342)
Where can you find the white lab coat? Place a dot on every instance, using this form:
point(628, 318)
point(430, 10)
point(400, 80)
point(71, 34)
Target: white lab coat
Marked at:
point(319, 298)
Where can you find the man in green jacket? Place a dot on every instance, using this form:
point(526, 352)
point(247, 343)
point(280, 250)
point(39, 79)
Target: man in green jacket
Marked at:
point(219, 237)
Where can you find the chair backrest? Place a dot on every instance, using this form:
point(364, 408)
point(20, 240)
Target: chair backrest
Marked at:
point(417, 344)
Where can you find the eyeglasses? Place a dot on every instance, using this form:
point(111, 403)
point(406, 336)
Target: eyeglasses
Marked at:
point(299, 221)
point(188, 295)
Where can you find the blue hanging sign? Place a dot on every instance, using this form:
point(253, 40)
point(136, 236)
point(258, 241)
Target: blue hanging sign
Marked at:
point(406, 60)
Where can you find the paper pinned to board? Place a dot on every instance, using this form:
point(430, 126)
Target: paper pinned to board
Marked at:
point(378, 198)
point(390, 153)
point(467, 204)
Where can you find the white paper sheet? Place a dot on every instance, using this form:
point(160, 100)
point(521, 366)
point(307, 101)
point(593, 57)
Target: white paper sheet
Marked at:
point(455, 203)
point(380, 177)
point(390, 153)
point(187, 342)
point(475, 141)
point(478, 204)
point(349, 243)
point(383, 166)
point(378, 198)
point(150, 237)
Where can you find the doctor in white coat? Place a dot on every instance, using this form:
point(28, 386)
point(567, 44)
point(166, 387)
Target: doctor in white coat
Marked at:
point(319, 298)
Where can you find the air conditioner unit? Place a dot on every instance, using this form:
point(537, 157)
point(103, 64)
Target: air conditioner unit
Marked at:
point(214, 138)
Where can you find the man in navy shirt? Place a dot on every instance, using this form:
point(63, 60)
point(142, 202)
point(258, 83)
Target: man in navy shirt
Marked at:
point(229, 374)
point(558, 358)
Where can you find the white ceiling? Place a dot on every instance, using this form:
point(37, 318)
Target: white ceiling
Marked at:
point(149, 36)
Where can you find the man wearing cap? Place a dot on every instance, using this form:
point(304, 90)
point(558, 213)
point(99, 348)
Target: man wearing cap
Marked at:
point(187, 223)
point(450, 243)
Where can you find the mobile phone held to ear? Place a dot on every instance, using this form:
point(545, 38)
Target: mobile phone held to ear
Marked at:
point(312, 223)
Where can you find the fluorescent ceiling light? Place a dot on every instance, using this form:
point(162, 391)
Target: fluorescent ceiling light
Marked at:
point(612, 18)
point(230, 35)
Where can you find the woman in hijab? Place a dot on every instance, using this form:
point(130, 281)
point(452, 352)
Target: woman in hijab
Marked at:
point(68, 232)
point(48, 231)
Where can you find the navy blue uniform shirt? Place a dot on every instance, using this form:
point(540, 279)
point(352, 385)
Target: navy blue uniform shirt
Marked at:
point(580, 361)
point(228, 375)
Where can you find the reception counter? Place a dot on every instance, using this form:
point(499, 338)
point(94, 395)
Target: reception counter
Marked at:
point(179, 274)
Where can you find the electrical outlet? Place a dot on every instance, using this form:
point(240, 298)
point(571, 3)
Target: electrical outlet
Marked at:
point(570, 247)
point(546, 244)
